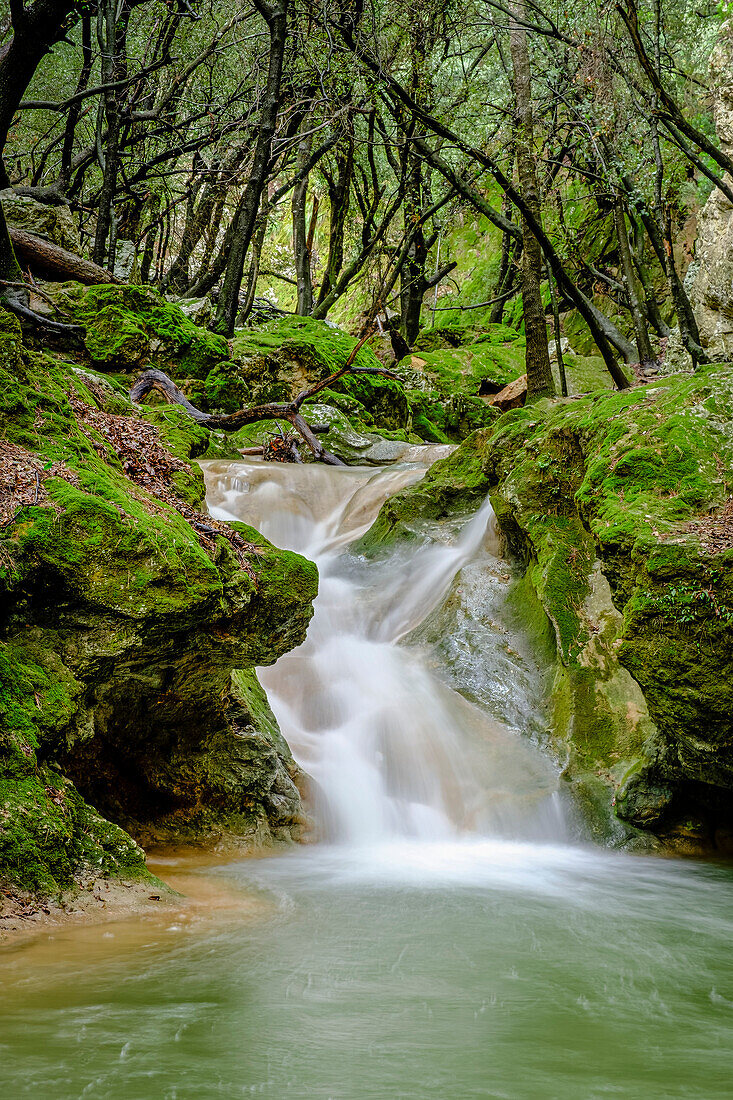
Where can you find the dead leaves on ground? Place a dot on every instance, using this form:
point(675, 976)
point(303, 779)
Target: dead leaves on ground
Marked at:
point(144, 460)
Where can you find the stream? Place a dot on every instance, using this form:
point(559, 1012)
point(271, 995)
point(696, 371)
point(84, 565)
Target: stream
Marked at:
point(450, 932)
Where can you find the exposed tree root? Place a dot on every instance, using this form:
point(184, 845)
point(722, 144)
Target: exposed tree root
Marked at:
point(14, 296)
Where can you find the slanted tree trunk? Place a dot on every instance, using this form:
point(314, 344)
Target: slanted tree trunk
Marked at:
point(539, 374)
point(275, 14)
point(634, 289)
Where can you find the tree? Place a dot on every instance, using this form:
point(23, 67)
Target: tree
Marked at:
point(539, 372)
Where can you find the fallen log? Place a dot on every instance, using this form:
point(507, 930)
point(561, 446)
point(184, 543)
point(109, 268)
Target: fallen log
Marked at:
point(53, 260)
point(286, 410)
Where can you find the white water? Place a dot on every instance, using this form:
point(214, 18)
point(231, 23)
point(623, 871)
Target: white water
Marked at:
point(393, 751)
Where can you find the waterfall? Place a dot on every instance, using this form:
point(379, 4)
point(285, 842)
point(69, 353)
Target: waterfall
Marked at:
point(394, 752)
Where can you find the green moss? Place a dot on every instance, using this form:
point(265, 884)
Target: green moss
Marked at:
point(129, 327)
point(461, 370)
point(618, 477)
point(452, 485)
point(119, 630)
point(289, 354)
point(439, 419)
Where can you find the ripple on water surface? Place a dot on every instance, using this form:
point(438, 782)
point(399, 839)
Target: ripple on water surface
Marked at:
point(461, 969)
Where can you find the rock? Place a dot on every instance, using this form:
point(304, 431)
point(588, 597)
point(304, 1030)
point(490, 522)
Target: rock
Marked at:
point(132, 710)
point(54, 223)
point(711, 292)
point(454, 485)
point(198, 310)
point(512, 396)
point(616, 506)
point(132, 327)
point(601, 497)
point(286, 355)
point(352, 446)
point(124, 259)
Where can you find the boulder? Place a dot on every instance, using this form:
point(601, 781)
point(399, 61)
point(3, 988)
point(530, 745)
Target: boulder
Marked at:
point(53, 223)
point(512, 396)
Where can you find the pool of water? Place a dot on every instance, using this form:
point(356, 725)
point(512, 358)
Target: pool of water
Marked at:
point(456, 969)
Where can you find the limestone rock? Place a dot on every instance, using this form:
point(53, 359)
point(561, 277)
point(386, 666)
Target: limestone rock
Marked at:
point(54, 223)
point(711, 292)
point(512, 396)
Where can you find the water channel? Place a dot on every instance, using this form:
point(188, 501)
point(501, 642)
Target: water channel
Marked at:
point(449, 933)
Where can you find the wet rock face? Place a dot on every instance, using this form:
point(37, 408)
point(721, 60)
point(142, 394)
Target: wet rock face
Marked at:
point(603, 497)
point(124, 611)
point(616, 503)
point(711, 292)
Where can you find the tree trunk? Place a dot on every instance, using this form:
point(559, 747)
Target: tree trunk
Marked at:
point(506, 273)
point(339, 194)
point(111, 35)
point(556, 332)
point(413, 282)
point(633, 287)
point(301, 252)
point(274, 13)
point(76, 108)
point(539, 374)
point(50, 259)
point(35, 30)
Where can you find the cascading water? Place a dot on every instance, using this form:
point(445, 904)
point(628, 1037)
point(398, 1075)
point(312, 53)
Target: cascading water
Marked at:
point(449, 942)
point(393, 751)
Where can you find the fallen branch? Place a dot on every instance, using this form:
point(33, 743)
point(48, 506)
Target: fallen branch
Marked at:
point(54, 260)
point(287, 410)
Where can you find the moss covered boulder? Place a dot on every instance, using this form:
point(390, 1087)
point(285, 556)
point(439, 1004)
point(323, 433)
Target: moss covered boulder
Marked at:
point(283, 357)
point(612, 500)
point(133, 327)
point(468, 361)
point(124, 612)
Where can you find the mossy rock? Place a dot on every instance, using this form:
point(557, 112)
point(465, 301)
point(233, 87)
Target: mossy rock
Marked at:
point(285, 356)
point(439, 419)
point(133, 327)
point(452, 486)
point(494, 357)
point(605, 491)
point(121, 622)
